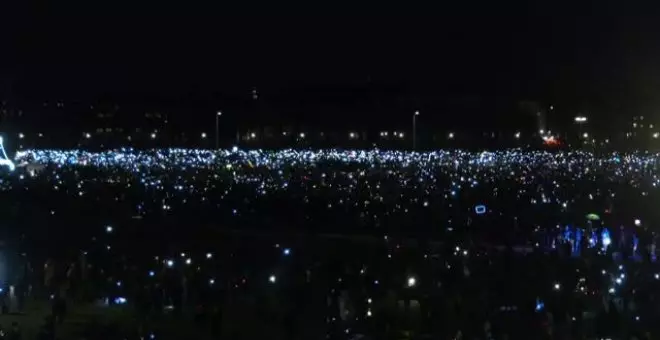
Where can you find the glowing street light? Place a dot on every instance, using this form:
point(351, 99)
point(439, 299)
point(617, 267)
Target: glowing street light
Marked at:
point(517, 135)
point(203, 135)
point(450, 135)
point(217, 129)
point(581, 120)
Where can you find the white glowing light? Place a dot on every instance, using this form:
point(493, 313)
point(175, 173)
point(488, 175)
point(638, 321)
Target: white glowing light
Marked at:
point(170, 263)
point(286, 251)
point(638, 222)
point(153, 135)
point(580, 119)
point(557, 286)
point(108, 229)
point(412, 282)
point(209, 255)
point(272, 279)
point(21, 135)
point(517, 135)
point(203, 135)
point(451, 135)
point(302, 135)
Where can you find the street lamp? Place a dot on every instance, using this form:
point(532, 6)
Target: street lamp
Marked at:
point(414, 128)
point(217, 128)
point(580, 120)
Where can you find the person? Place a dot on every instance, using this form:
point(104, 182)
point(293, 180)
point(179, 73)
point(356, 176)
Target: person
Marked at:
point(59, 308)
point(14, 332)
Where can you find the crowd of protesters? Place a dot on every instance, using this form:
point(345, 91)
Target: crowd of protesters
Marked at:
point(339, 244)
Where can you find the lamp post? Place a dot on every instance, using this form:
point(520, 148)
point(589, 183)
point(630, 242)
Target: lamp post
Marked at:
point(217, 129)
point(580, 120)
point(414, 129)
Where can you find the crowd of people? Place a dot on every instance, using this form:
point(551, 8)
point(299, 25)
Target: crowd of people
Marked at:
point(341, 244)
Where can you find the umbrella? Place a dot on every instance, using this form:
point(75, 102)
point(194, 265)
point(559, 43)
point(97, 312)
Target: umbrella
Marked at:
point(593, 217)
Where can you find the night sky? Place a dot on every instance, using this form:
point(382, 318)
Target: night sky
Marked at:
point(601, 57)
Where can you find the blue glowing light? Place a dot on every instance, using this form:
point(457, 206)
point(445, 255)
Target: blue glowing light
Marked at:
point(605, 238)
point(286, 251)
point(480, 209)
point(539, 305)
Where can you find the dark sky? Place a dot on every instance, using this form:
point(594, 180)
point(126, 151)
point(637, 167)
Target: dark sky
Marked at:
point(600, 55)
